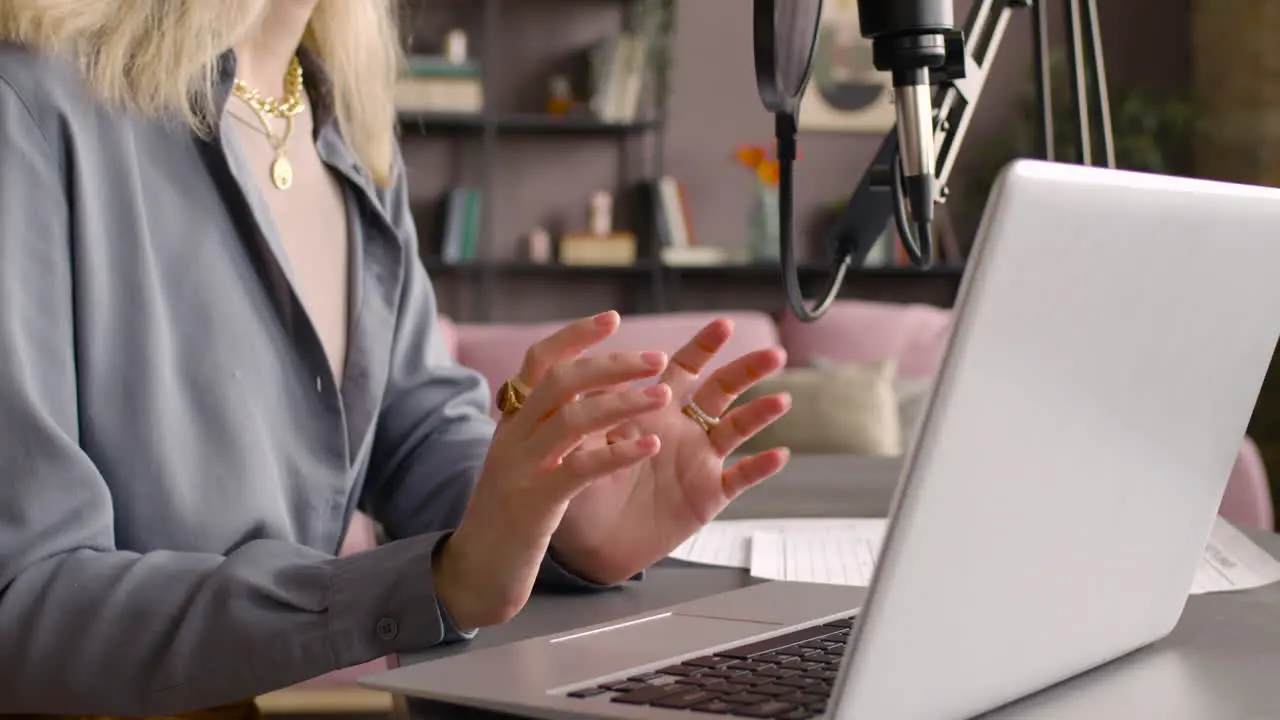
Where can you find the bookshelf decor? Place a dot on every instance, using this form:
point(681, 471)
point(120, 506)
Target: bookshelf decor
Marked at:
point(448, 84)
point(502, 223)
point(766, 234)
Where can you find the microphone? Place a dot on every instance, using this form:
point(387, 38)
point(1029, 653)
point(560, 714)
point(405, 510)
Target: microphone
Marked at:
point(917, 43)
point(910, 40)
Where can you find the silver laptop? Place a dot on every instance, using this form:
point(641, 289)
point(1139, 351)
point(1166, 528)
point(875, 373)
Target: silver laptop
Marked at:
point(1111, 336)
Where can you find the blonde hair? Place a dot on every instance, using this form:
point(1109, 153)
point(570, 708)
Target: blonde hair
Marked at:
point(159, 57)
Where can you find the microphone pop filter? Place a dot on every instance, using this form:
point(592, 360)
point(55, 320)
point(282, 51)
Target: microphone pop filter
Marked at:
point(785, 33)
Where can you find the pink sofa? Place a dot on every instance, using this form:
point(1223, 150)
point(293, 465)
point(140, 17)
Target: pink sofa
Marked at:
point(914, 335)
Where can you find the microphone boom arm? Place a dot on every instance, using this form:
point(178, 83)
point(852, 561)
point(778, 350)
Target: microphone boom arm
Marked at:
point(871, 208)
point(959, 97)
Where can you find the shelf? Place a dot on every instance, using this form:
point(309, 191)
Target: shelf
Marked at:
point(518, 267)
point(761, 271)
point(515, 124)
point(813, 270)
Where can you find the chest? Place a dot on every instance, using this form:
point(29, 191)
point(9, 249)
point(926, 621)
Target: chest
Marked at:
point(308, 215)
point(196, 356)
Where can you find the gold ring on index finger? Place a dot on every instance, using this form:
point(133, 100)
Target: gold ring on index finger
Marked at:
point(511, 395)
point(698, 415)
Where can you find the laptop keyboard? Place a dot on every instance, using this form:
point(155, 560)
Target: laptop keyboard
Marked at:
point(789, 677)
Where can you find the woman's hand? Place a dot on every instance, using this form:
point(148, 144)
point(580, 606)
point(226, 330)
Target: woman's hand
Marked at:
point(485, 571)
point(638, 514)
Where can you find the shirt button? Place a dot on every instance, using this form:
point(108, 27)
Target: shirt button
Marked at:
point(387, 629)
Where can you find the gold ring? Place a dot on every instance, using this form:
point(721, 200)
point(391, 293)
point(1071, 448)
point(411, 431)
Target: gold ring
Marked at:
point(511, 395)
point(705, 421)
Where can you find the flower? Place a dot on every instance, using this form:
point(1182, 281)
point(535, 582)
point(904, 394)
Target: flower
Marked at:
point(750, 156)
point(760, 161)
point(768, 172)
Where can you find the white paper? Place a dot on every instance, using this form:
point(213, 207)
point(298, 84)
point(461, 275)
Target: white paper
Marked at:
point(1232, 561)
point(715, 544)
point(844, 551)
point(727, 543)
point(837, 557)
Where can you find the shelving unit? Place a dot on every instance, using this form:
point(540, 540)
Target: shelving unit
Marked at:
point(511, 123)
point(528, 124)
point(498, 123)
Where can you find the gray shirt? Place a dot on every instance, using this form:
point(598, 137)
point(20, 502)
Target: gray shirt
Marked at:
point(177, 463)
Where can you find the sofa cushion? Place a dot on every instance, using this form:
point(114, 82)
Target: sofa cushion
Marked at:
point(912, 394)
point(496, 350)
point(850, 409)
point(913, 400)
point(861, 331)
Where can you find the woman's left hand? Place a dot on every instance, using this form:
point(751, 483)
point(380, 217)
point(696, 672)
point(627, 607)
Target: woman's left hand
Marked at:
point(622, 524)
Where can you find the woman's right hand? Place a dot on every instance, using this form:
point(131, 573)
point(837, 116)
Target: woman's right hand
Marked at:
point(486, 569)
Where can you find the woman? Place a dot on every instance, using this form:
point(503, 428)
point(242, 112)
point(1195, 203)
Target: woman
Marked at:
point(216, 343)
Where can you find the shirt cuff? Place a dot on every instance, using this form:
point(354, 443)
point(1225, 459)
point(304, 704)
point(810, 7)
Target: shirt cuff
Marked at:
point(381, 601)
point(451, 632)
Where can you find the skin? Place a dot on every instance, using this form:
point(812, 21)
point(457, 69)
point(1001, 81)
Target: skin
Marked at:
point(263, 57)
point(607, 476)
point(610, 477)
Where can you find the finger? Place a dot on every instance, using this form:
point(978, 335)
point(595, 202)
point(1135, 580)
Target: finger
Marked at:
point(742, 423)
point(625, 431)
point(582, 468)
point(600, 439)
point(571, 425)
point(752, 470)
point(689, 361)
point(615, 388)
point(567, 382)
point(566, 343)
point(717, 394)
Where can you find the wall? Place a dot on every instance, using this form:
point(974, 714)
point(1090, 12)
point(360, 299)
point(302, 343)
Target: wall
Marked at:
point(715, 105)
point(714, 109)
point(1237, 89)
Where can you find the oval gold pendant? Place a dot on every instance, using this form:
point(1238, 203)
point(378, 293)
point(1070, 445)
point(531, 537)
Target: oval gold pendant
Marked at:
point(281, 173)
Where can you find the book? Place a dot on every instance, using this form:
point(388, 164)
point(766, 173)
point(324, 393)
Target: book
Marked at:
point(460, 226)
point(614, 250)
point(438, 66)
point(619, 70)
point(463, 95)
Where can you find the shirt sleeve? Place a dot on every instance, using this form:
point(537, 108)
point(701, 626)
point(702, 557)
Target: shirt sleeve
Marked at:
point(435, 425)
point(87, 628)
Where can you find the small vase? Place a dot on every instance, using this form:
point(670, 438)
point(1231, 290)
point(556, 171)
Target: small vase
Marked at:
point(766, 235)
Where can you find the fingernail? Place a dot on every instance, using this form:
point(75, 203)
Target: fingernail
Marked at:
point(653, 359)
point(605, 319)
point(656, 392)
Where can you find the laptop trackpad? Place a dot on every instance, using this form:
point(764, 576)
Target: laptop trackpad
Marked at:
point(598, 652)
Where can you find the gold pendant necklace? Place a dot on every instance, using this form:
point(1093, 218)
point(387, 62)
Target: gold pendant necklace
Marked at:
point(286, 109)
point(281, 172)
point(281, 169)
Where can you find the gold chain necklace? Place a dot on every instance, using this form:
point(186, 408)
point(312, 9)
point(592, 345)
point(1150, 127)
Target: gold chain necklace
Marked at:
point(286, 109)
